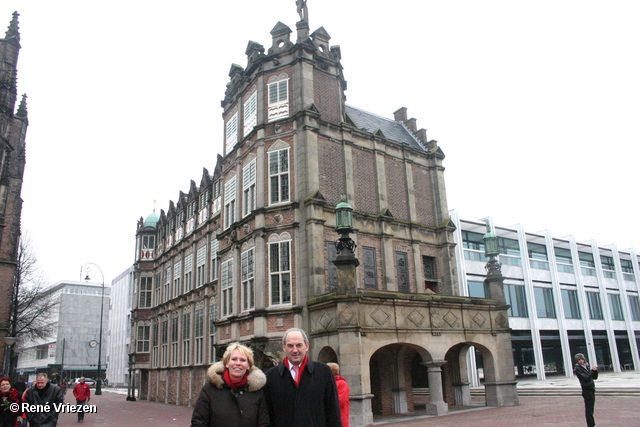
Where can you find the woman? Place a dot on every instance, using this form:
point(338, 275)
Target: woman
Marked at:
point(343, 393)
point(10, 397)
point(234, 395)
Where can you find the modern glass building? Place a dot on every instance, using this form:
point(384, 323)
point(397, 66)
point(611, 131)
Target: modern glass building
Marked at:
point(566, 297)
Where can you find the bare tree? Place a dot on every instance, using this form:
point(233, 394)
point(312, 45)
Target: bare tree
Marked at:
point(32, 304)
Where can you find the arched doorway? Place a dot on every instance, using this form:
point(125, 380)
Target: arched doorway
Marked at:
point(399, 381)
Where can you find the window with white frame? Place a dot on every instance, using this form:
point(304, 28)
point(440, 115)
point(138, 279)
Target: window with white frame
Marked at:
point(250, 113)
point(146, 290)
point(226, 288)
point(544, 302)
point(216, 203)
point(198, 335)
point(213, 317)
point(188, 272)
point(248, 291)
point(279, 176)
point(175, 354)
point(201, 265)
point(570, 303)
point(215, 247)
point(249, 188)
point(167, 284)
point(158, 288)
point(186, 338)
point(144, 334)
point(203, 206)
point(230, 202)
point(164, 358)
point(634, 304)
point(148, 247)
point(231, 133)
point(595, 308)
point(616, 307)
point(280, 272)
point(156, 344)
point(278, 100)
point(177, 275)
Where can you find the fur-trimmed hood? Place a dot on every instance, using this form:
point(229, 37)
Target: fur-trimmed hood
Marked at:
point(255, 381)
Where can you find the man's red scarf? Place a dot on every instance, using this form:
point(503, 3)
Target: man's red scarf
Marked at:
point(233, 383)
point(300, 371)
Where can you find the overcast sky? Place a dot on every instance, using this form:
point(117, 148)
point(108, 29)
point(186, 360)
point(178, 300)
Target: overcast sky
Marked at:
point(536, 105)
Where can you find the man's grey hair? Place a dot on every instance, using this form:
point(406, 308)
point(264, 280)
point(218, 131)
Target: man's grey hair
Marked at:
point(304, 335)
point(42, 374)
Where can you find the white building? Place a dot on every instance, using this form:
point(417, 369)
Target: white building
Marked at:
point(120, 328)
point(73, 348)
point(566, 297)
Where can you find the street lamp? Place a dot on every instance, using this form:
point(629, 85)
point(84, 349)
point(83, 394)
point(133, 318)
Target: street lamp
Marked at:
point(99, 379)
point(9, 341)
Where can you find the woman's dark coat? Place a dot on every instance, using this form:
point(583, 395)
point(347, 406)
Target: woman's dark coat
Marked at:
point(220, 406)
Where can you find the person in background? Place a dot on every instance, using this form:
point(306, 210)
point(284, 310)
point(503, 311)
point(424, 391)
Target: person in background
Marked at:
point(301, 392)
point(44, 394)
point(234, 395)
point(9, 396)
point(586, 377)
point(343, 393)
point(82, 393)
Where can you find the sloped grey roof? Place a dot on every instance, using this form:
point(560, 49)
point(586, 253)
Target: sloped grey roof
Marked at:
point(395, 131)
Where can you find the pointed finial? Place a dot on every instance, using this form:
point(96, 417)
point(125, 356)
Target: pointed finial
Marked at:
point(154, 206)
point(12, 31)
point(22, 108)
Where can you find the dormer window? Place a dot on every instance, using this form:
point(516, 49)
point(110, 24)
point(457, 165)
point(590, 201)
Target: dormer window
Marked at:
point(278, 98)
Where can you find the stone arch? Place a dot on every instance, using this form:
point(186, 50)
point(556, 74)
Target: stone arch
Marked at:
point(458, 376)
point(327, 355)
point(391, 370)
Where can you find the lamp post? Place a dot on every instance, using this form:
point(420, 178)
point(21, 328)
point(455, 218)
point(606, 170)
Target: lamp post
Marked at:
point(87, 267)
point(346, 261)
point(9, 341)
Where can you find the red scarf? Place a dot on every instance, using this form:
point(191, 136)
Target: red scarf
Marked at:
point(300, 371)
point(233, 383)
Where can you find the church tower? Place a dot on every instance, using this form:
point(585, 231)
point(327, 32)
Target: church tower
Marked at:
point(13, 130)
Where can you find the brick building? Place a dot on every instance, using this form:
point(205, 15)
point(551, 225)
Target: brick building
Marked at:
point(13, 130)
point(248, 252)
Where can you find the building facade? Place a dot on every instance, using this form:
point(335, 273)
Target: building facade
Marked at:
point(565, 297)
point(117, 349)
point(250, 251)
point(13, 130)
point(72, 350)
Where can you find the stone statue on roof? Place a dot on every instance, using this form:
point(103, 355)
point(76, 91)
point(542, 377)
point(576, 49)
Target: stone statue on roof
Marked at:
point(301, 8)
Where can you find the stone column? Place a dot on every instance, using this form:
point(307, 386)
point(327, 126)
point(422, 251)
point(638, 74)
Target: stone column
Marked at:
point(436, 405)
point(462, 394)
point(346, 263)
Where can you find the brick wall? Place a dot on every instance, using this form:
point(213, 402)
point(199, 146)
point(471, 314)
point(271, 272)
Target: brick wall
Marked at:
point(397, 188)
point(365, 180)
point(332, 173)
point(424, 197)
point(327, 94)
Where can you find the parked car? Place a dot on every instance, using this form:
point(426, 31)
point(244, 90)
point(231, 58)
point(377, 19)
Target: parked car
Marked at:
point(90, 381)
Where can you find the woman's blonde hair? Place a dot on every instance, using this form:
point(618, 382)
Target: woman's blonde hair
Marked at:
point(246, 351)
point(334, 368)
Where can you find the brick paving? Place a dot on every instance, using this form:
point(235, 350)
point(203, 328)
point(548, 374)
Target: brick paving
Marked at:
point(551, 410)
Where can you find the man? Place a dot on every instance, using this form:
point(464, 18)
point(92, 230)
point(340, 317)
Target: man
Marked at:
point(46, 394)
point(82, 394)
point(300, 392)
point(586, 377)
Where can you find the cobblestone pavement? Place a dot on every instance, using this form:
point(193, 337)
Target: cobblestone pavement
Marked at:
point(565, 411)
